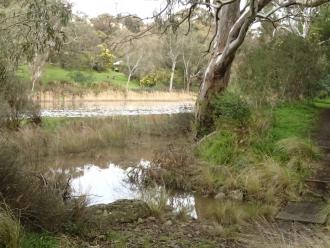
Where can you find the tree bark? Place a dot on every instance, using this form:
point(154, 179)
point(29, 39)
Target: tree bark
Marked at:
point(217, 73)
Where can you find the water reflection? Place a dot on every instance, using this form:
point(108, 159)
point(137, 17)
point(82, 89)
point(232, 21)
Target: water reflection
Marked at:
point(106, 185)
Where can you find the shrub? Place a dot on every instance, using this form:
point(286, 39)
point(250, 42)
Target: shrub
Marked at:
point(14, 100)
point(287, 68)
point(79, 77)
point(154, 78)
point(41, 200)
point(230, 106)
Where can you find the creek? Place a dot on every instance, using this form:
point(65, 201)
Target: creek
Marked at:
point(102, 175)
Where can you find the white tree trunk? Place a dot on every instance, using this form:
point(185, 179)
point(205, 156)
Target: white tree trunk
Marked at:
point(172, 75)
point(37, 65)
point(128, 81)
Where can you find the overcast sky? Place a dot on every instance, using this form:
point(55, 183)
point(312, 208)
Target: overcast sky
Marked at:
point(142, 8)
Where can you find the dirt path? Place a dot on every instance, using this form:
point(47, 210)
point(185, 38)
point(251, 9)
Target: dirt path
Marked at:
point(313, 207)
point(321, 179)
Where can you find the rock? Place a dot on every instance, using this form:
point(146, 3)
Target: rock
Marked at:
point(168, 223)
point(140, 220)
point(102, 237)
point(220, 196)
point(152, 218)
point(236, 195)
point(102, 216)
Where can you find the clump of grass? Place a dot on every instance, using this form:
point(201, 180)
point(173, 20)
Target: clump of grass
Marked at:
point(297, 147)
point(118, 239)
point(229, 213)
point(157, 200)
point(219, 149)
point(268, 182)
point(10, 229)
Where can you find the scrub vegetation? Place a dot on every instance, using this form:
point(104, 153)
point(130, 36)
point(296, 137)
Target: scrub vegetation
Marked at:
point(249, 151)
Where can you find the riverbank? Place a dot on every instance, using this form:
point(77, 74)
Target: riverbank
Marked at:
point(248, 175)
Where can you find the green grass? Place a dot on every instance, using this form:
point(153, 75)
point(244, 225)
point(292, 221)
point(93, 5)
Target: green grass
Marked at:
point(294, 120)
point(269, 158)
point(220, 149)
point(54, 73)
point(37, 240)
point(322, 103)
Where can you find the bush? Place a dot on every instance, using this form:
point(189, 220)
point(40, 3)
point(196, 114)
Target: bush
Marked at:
point(42, 201)
point(15, 104)
point(287, 68)
point(80, 77)
point(154, 78)
point(230, 106)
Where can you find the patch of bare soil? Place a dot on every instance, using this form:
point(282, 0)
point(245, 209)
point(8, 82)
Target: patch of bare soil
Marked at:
point(166, 232)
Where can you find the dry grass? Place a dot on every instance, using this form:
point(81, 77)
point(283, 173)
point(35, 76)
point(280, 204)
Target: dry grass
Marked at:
point(156, 199)
point(110, 95)
point(268, 235)
point(10, 229)
point(87, 135)
point(268, 182)
point(171, 167)
point(297, 147)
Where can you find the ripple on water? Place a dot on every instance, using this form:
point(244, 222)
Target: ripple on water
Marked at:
point(173, 108)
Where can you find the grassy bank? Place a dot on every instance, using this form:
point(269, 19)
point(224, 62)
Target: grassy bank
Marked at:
point(87, 78)
point(253, 165)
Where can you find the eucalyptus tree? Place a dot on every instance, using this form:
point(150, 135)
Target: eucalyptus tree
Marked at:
point(81, 46)
point(232, 20)
point(30, 26)
point(26, 29)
